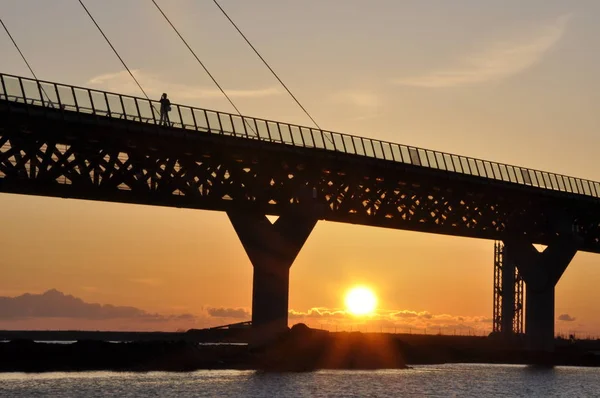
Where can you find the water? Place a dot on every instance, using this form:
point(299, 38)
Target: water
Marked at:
point(434, 381)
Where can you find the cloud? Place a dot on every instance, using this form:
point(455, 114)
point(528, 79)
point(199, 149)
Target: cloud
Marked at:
point(499, 61)
point(411, 314)
point(55, 304)
point(566, 318)
point(56, 310)
point(121, 82)
point(362, 99)
point(366, 103)
point(400, 320)
point(236, 313)
point(318, 313)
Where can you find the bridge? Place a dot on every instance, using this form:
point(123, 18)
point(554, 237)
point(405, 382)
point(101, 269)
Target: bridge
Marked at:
point(74, 142)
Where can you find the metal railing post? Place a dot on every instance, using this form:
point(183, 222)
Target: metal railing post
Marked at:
point(137, 107)
point(194, 118)
point(244, 121)
point(75, 99)
point(232, 124)
point(23, 92)
point(3, 86)
point(493, 172)
point(258, 132)
point(444, 159)
point(62, 111)
point(123, 107)
point(220, 124)
point(344, 145)
point(91, 101)
point(434, 159)
point(152, 109)
point(356, 152)
point(375, 155)
point(180, 116)
point(107, 105)
point(207, 120)
point(41, 94)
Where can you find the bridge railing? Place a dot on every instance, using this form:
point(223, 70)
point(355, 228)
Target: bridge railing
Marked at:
point(125, 107)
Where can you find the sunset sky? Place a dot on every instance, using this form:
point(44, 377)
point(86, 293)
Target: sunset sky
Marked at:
point(511, 81)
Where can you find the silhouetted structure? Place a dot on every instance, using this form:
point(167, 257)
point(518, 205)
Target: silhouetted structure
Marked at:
point(110, 147)
point(508, 294)
point(299, 349)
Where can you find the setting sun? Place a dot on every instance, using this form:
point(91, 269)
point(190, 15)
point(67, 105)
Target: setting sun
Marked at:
point(361, 301)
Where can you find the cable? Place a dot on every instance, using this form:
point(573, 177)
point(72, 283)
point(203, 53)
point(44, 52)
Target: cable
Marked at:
point(115, 51)
point(204, 67)
point(266, 64)
point(24, 59)
point(18, 49)
point(272, 71)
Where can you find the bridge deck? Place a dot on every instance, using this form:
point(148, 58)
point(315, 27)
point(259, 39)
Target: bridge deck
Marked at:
point(74, 99)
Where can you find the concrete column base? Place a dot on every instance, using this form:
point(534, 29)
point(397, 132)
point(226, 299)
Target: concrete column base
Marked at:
point(541, 272)
point(272, 249)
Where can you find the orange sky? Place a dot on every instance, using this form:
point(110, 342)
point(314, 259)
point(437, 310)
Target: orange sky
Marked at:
point(510, 82)
point(174, 261)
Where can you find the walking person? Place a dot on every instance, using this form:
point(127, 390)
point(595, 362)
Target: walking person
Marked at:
point(165, 108)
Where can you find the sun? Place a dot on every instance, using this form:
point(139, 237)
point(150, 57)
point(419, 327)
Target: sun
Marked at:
point(361, 301)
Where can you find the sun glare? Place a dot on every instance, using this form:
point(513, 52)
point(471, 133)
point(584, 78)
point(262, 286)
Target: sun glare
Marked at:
point(361, 301)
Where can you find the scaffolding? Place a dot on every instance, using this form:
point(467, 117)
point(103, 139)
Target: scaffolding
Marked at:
point(508, 294)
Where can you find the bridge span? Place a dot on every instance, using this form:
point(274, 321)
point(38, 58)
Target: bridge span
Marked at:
point(73, 142)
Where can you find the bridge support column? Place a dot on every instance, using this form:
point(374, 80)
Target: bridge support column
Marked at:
point(541, 272)
point(272, 248)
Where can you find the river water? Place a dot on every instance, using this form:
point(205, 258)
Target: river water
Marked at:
point(435, 381)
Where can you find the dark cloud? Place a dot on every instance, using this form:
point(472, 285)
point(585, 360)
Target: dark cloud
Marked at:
point(318, 313)
point(54, 304)
point(566, 318)
point(183, 317)
point(220, 312)
point(405, 314)
point(412, 314)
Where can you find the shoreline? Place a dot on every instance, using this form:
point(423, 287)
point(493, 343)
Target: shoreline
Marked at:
point(297, 350)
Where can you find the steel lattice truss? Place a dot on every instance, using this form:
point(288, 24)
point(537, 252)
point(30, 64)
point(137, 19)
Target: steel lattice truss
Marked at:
point(518, 290)
point(117, 162)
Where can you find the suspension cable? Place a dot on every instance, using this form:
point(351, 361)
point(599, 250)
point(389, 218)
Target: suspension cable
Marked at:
point(115, 51)
point(267, 65)
point(25, 60)
point(200, 62)
point(18, 49)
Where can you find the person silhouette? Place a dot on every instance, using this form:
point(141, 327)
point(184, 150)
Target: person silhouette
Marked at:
point(165, 108)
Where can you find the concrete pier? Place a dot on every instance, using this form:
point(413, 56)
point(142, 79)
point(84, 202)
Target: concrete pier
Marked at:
point(541, 272)
point(272, 249)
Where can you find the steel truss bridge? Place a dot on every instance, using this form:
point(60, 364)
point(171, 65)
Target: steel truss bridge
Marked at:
point(74, 142)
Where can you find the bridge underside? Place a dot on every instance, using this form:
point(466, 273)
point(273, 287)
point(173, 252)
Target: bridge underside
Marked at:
point(47, 152)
